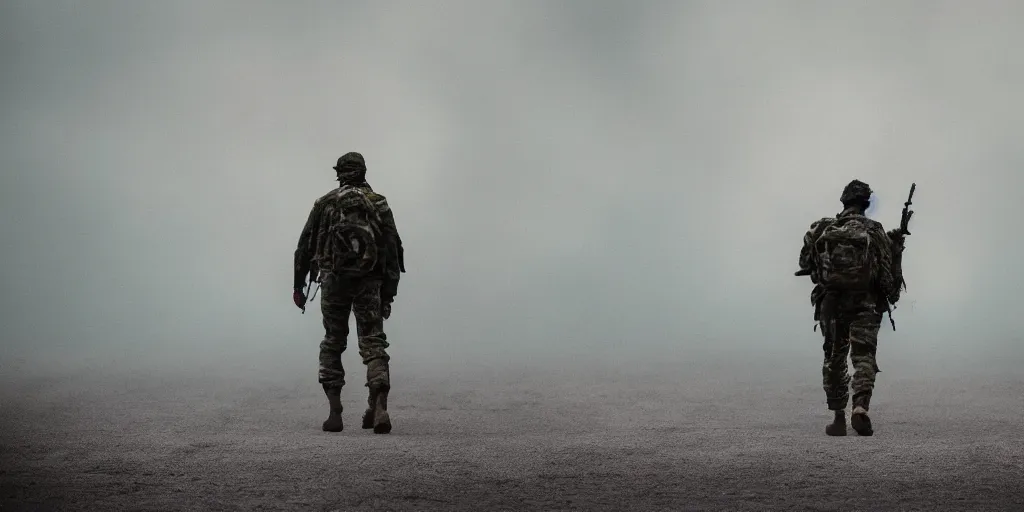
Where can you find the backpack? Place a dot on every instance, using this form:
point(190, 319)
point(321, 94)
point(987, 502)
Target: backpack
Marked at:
point(846, 259)
point(354, 244)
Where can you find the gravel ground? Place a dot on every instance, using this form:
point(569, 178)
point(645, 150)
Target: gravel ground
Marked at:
point(558, 440)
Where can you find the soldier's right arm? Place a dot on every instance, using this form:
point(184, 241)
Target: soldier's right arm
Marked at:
point(889, 271)
point(896, 270)
point(395, 268)
point(307, 243)
point(390, 220)
point(897, 238)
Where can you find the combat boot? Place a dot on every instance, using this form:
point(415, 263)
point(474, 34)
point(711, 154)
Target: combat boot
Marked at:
point(368, 415)
point(333, 422)
point(860, 421)
point(376, 417)
point(838, 426)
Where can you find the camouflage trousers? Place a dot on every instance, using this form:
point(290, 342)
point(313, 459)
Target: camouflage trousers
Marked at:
point(854, 334)
point(339, 297)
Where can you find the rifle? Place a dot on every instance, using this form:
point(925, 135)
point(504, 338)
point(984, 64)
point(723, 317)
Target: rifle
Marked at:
point(907, 213)
point(314, 270)
point(905, 226)
point(901, 235)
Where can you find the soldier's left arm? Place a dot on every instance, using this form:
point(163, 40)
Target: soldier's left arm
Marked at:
point(304, 248)
point(806, 262)
point(808, 266)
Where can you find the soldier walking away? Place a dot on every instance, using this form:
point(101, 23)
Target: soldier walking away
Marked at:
point(350, 246)
point(856, 270)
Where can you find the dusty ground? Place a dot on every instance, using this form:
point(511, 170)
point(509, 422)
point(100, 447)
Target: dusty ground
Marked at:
point(541, 440)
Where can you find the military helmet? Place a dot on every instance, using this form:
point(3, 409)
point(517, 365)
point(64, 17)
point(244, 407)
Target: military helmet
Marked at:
point(857, 191)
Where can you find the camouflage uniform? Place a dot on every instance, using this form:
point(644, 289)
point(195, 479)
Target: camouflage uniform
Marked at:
point(850, 321)
point(339, 297)
point(369, 298)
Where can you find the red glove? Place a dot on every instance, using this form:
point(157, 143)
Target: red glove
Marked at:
point(299, 299)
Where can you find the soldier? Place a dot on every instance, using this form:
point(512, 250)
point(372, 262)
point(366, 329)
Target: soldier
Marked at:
point(855, 267)
point(350, 245)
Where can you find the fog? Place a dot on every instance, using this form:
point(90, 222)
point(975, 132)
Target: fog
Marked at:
point(604, 182)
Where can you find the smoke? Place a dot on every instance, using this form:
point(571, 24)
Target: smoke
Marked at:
point(873, 207)
point(601, 181)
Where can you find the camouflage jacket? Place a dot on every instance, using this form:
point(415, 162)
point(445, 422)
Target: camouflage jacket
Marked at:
point(887, 289)
point(314, 235)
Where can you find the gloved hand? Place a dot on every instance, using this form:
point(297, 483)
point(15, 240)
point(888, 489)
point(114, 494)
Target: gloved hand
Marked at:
point(299, 298)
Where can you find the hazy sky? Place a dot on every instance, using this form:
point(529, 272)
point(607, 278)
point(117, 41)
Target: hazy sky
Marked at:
point(591, 178)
